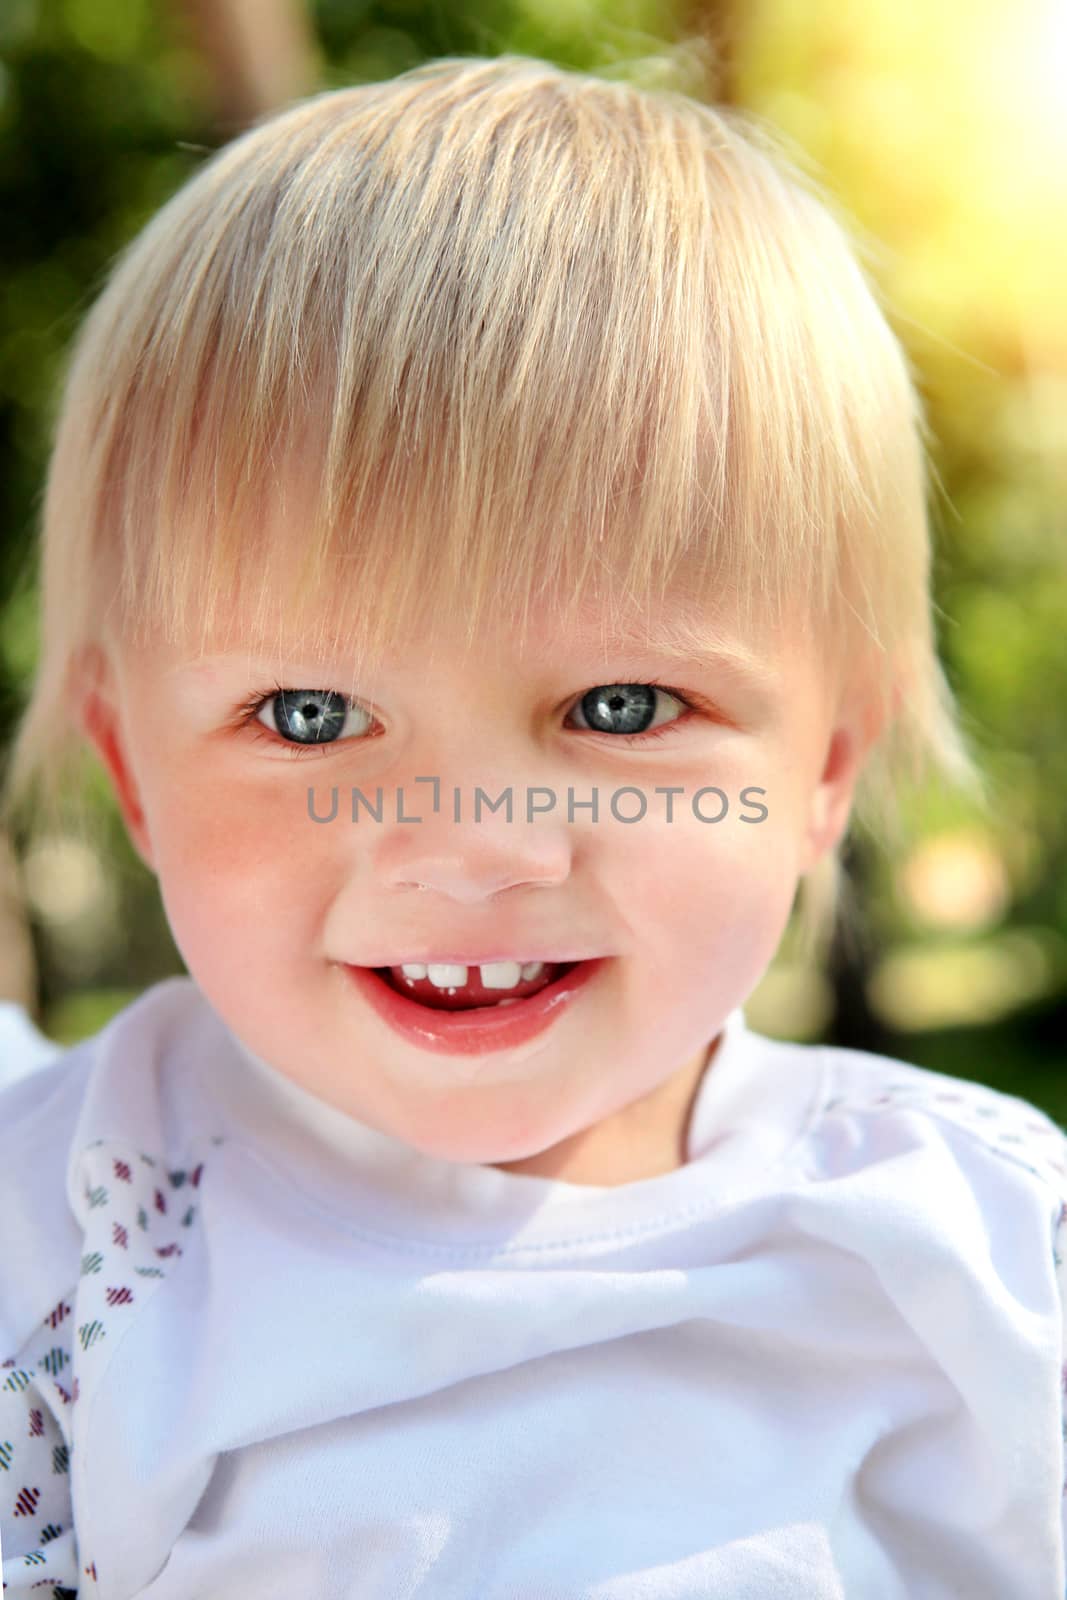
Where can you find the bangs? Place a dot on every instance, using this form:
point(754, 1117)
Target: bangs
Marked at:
point(487, 335)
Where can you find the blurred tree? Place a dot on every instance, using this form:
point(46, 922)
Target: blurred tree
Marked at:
point(18, 971)
point(261, 54)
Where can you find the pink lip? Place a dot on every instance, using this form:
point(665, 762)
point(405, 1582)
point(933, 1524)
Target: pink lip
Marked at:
point(477, 1032)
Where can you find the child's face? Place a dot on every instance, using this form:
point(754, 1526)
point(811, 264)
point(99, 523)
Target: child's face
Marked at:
point(269, 907)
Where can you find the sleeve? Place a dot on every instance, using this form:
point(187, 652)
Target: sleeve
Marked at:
point(1059, 1257)
point(22, 1044)
point(38, 1552)
point(38, 1548)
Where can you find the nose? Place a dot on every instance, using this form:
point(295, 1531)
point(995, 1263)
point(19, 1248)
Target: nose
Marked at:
point(473, 857)
point(490, 822)
point(470, 872)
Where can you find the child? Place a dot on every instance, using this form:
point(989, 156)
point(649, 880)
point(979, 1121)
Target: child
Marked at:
point(446, 1231)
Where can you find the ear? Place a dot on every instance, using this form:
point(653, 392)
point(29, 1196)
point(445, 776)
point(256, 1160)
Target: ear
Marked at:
point(98, 716)
point(854, 730)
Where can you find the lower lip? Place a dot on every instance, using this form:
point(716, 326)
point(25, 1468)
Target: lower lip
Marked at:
point(480, 1031)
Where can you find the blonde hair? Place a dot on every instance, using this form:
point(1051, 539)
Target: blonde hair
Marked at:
point(526, 331)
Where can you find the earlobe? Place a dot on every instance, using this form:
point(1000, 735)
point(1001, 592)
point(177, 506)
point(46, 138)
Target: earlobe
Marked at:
point(97, 714)
point(831, 800)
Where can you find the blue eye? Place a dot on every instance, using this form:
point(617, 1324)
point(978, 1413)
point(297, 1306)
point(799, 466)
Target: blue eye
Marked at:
point(624, 708)
point(303, 720)
point(308, 717)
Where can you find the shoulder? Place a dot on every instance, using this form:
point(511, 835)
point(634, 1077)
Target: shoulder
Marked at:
point(861, 1085)
point(109, 1089)
point(952, 1192)
point(97, 1214)
point(23, 1046)
point(39, 1109)
point(42, 1088)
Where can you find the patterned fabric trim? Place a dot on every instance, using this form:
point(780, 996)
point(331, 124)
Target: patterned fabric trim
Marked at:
point(136, 1215)
point(36, 1395)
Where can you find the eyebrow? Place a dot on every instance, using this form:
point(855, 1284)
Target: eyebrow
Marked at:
point(735, 658)
point(717, 653)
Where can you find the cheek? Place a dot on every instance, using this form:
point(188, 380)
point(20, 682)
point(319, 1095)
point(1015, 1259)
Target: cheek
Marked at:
point(714, 898)
point(236, 879)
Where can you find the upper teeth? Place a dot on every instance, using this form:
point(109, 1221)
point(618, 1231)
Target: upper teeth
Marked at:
point(494, 974)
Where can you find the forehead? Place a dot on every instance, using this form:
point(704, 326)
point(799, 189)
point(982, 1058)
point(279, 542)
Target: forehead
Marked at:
point(673, 627)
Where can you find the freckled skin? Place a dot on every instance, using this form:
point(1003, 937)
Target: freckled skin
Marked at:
point(263, 903)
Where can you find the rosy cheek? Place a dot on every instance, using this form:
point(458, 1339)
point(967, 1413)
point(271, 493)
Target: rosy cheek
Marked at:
point(733, 876)
point(226, 865)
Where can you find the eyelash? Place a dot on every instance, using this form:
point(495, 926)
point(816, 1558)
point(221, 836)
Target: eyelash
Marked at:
point(247, 718)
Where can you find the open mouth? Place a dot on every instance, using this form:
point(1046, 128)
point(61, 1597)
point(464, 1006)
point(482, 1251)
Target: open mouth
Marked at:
point(473, 1020)
point(472, 995)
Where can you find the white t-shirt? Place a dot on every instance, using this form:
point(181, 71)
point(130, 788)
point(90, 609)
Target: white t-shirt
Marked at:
point(22, 1046)
point(255, 1349)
